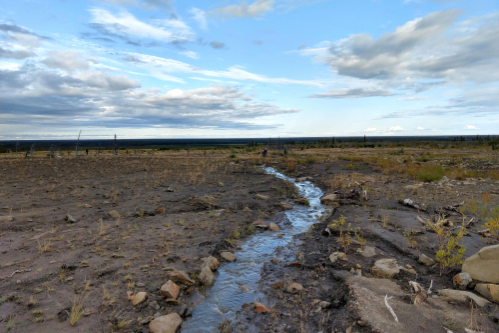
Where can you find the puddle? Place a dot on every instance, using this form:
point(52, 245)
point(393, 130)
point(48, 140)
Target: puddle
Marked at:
point(225, 298)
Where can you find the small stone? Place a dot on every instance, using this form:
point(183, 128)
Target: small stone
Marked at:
point(386, 268)
point(294, 287)
point(262, 197)
point(154, 305)
point(206, 277)
point(71, 278)
point(462, 296)
point(461, 280)
point(169, 189)
point(165, 324)
point(211, 262)
point(285, 205)
point(424, 259)
point(325, 304)
point(259, 307)
point(337, 255)
point(170, 290)
point(160, 210)
point(181, 277)
point(259, 223)
point(114, 214)
point(368, 251)
point(274, 227)
point(329, 199)
point(230, 257)
point(138, 298)
point(489, 291)
point(70, 219)
point(361, 323)
point(245, 288)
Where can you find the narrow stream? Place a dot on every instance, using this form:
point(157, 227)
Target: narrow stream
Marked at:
point(226, 297)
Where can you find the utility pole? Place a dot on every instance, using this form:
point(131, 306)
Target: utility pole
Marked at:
point(77, 142)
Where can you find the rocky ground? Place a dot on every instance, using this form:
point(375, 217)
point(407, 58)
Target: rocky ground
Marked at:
point(131, 244)
point(331, 283)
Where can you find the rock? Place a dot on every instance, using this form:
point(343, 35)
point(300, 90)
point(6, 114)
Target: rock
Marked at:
point(325, 304)
point(413, 187)
point(114, 214)
point(285, 205)
point(170, 290)
point(443, 181)
point(165, 324)
point(6, 218)
point(154, 305)
point(169, 189)
point(221, 184)
point(386, 268)
point(294, 287)
point(206, 277)
point(337, 255)
point(274, 227)
point(138, 298)
point(259, 307)
point(489, 291)
point(181, 277)
point(245, 288)
point(184, 311)
point(160, 210)
point(461, 280)
point(69, 219)
point(462, 296)
point(484, 266)
point(262, 197)
point(211, 262)
point(230, 257)
point(260, 224)
point(426, 260)
point(329, 199)
point(368, 251)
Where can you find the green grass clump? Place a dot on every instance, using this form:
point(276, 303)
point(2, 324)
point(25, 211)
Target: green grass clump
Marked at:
point(430, 173)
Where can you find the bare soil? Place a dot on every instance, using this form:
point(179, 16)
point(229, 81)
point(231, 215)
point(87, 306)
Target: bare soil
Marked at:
point(176, 208)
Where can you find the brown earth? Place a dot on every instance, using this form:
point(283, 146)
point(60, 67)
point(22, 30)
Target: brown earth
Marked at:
point(46, 263)
point(173, 210)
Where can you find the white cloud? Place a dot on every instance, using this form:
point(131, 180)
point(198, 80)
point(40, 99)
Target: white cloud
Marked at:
point(199, 16)
point(470, 127)
point(396, 129)
point(420, 128)
point(190, 54)
point(243, 10)
point(354, 93)
point(158, 66)
point(371, 129)
point(125, 24)
point(429, 51)
point(68, 60)
point(421, 98)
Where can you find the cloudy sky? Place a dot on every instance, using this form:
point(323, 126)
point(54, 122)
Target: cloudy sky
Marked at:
point(255, 68)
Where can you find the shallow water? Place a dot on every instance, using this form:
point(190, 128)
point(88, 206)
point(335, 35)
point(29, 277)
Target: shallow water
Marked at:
point(226, 297)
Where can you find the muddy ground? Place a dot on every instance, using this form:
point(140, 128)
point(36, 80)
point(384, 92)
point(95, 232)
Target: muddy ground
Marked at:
point(176, 208)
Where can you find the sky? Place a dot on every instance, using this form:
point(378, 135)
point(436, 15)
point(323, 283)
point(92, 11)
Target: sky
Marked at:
point(243, 69)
